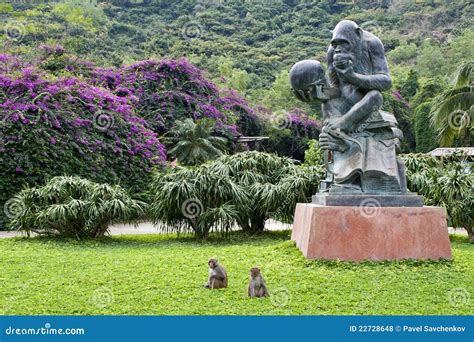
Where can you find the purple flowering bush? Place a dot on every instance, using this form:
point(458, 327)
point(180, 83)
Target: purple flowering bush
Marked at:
point(168, 90)
point(55, 60)
point(55, 126)
point(289, 132)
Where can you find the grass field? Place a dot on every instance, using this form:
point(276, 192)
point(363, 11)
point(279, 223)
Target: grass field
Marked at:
point(162, 275)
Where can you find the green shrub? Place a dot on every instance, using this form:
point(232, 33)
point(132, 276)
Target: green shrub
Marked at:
point(446, 183)
point(425, 134)
point(72, 207)
point(314, 155)
point(403, 53)
point(242, 190)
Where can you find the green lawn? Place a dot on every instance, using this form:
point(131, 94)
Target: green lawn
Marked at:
point(162, 275)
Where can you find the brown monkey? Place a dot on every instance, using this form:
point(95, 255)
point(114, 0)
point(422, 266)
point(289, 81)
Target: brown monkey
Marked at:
point(257, 286)
point(217, 275)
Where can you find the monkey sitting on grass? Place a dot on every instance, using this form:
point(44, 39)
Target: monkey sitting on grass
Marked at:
point(217, 275)
point(257, 286)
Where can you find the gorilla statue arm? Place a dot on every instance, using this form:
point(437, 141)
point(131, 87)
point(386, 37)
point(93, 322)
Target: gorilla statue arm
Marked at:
point(380, 78)
point(357, 57)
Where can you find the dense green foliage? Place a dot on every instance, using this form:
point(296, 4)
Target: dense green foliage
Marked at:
point(249, 46)
point(72, 207)
point(445, 183)
point(194, 142)
point(314, 155)
point(425, 134)
point(163, 275)
point(452, 113)
point(243, 190)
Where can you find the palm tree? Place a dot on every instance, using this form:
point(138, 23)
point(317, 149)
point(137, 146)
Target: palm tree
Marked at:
point(195, 143)
point(452, 111)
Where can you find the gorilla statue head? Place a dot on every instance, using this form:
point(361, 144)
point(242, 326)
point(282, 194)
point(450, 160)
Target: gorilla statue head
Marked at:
point(346, 43)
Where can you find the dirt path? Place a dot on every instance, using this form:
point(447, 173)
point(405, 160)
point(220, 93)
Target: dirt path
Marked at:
point(148, 228)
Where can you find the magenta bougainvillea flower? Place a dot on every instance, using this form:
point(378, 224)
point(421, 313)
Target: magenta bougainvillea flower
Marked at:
point(54, 126)
point(168, 90)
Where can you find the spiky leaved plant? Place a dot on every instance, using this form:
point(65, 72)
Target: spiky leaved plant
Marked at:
point(74, 207)
point(444, 182)
point(242, 190)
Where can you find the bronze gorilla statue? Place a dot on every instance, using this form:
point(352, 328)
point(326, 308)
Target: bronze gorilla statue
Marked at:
point(360, 139)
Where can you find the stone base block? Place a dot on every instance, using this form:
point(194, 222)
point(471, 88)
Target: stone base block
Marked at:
point(409, 199)
point(371, 233)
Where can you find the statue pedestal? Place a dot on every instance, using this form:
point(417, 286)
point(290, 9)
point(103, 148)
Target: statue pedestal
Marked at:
point(371, 233)
point(408, 199)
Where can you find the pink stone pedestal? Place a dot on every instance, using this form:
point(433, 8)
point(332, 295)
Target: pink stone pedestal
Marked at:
point(371, 233)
